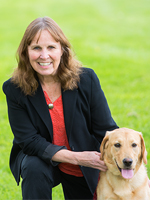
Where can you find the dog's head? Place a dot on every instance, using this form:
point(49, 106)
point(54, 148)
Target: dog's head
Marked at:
point(123, 151)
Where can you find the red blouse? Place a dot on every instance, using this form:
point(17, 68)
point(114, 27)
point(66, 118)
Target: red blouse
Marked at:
point(59, 134)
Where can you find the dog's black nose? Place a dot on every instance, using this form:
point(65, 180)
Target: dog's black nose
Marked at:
point(127, 162)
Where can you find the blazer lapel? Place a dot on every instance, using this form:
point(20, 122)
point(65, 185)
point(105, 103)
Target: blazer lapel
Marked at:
point(40, 105)
point(69, 98)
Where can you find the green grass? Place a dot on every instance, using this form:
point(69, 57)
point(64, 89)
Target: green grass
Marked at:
point(112, 37)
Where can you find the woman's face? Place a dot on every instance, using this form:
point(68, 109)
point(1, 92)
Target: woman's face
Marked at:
point(44, 54)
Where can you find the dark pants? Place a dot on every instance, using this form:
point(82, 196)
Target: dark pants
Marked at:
point(39, 178)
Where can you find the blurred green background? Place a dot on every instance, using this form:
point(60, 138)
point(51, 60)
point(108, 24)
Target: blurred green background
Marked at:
point(110, 36)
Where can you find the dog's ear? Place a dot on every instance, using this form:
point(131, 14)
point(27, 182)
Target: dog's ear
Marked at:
point(143, 150)
point(103, 146)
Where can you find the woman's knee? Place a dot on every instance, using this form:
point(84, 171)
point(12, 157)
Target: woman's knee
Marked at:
point(33, 170)
point(32, 167)
point(38, 178)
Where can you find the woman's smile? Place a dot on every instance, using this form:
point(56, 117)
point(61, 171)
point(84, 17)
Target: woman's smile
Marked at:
point(45, 65)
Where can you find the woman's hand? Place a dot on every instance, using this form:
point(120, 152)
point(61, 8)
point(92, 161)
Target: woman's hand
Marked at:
point(85, 158)
point(91, 159)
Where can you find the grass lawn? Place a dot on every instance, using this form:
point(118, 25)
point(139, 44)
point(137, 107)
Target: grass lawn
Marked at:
point(112, 37)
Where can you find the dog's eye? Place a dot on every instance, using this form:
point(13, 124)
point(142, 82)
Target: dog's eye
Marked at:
point(118, 145)
point(134, 145)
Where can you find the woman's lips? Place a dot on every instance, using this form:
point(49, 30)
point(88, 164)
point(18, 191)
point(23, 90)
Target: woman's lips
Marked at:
point(44, 65)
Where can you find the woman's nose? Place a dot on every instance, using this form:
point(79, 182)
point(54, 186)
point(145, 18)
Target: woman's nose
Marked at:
point(44, 54)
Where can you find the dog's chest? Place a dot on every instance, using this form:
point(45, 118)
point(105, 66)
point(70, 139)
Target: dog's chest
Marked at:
point(122, 189)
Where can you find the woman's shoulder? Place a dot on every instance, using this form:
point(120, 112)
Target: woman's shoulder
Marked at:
point(88, 80)
point(10, 88)
point(88, 74)
point(87, 71)
point(6, 85)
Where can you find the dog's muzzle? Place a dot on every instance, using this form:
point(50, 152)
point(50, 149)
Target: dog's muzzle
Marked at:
point(126, 172)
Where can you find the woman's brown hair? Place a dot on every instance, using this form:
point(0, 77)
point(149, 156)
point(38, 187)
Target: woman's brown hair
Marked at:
point(69, 68)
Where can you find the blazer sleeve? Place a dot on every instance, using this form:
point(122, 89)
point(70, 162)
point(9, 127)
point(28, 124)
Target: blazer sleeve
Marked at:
point(101, 118)
point(26, 135)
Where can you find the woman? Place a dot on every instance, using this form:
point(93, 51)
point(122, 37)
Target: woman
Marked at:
point(58, 115)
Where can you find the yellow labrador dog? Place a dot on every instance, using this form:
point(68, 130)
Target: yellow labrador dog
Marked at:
point(123, 151)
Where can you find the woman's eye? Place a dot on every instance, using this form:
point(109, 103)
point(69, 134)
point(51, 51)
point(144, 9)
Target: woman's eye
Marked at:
point(36, 48)
point(51, 47)
point(118, 145)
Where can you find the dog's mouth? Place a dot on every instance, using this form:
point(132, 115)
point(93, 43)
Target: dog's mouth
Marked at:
point(126, 173)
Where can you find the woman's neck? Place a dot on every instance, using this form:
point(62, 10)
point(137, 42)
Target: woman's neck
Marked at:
point(52, 88)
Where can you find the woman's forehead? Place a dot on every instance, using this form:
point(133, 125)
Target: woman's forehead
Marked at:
point(42, 35)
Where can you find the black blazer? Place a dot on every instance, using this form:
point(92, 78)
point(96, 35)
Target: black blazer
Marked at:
point(87, 118)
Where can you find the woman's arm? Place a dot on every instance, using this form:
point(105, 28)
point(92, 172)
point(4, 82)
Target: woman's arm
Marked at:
point(85, 158)
point(26, 125)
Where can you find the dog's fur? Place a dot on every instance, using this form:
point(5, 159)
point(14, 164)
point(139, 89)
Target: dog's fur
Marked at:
point(123, 151)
